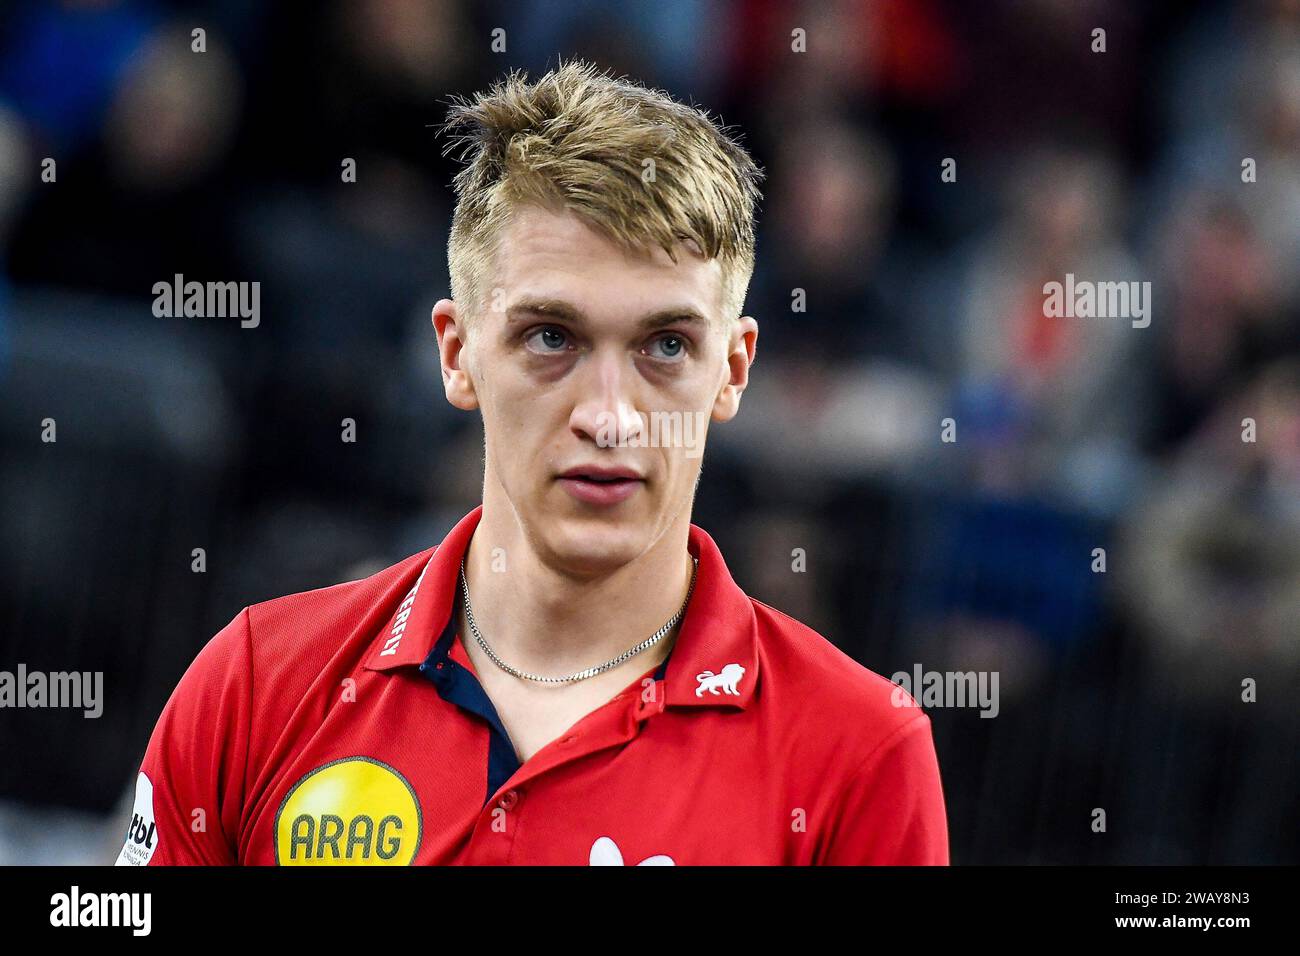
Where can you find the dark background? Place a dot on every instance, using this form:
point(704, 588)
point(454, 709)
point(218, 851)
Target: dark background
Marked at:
point(1119, 690)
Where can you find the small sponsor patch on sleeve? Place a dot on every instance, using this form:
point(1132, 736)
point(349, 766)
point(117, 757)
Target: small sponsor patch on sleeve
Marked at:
point(142, 837)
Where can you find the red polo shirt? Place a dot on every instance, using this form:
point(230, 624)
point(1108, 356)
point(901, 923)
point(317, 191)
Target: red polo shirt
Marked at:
point(347, 726)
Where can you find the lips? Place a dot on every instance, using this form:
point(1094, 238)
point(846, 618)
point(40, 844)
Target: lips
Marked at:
point(602, 475)
point(601, 486)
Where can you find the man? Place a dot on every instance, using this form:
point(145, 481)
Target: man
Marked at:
point(571, 676)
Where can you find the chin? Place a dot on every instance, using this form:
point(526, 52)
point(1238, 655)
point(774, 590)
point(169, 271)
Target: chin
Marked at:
point(587, 544)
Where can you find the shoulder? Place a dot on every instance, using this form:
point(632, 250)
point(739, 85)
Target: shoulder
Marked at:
point(296, 620)
point(828, 696)
point(289, 641)
point(307, 629)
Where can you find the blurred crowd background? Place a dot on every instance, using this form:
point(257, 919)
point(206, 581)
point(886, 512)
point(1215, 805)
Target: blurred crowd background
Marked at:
point(1119, 689)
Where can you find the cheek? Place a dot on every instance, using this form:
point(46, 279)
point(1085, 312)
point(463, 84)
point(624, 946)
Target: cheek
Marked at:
point(525, 432)
point(694, 390)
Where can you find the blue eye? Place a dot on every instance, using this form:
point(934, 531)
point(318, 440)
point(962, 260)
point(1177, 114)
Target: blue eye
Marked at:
point(677, 345)
point(553, 339)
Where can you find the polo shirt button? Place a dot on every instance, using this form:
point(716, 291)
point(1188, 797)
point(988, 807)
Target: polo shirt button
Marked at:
point(508, 799)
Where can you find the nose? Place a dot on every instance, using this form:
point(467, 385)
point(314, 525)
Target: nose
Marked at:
point(605, 412)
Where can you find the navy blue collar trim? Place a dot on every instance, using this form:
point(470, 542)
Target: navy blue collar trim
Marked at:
point(458, 686)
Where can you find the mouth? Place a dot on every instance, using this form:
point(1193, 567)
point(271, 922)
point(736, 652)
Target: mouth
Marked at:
point(601, 486)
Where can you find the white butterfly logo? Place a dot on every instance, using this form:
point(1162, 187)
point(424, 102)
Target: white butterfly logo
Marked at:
point(605, 852)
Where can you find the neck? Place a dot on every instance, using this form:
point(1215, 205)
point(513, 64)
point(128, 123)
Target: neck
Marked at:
point(541, 619)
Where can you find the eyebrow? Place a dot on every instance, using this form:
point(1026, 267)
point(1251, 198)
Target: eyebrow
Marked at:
point(559, 309)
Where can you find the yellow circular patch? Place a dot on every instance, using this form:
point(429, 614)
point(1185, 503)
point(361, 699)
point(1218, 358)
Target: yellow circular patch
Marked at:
point(350, 812)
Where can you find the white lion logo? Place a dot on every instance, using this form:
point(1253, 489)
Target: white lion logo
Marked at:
point(727, 680)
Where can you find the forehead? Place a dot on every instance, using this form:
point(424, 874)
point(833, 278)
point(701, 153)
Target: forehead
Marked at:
point(557, 255)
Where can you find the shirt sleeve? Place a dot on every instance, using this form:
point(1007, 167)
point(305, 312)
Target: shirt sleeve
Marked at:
point(190, 790)
point(892, 810)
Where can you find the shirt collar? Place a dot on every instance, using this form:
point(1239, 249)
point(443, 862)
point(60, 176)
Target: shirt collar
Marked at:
point(717, 633)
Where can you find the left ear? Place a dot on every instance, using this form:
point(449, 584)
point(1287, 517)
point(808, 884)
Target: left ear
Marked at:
point(741, 346)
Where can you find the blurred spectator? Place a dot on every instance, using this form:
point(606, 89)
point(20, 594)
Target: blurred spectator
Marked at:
point(829, 228)
point(1211, 563)
point(147, 200)
point(62, 63)
point(1047, 402)
point(1224, 311)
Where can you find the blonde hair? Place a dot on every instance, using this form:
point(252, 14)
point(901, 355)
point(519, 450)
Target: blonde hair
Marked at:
point(579, 139)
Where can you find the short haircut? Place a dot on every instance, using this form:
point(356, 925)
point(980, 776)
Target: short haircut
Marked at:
point(579, 139)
